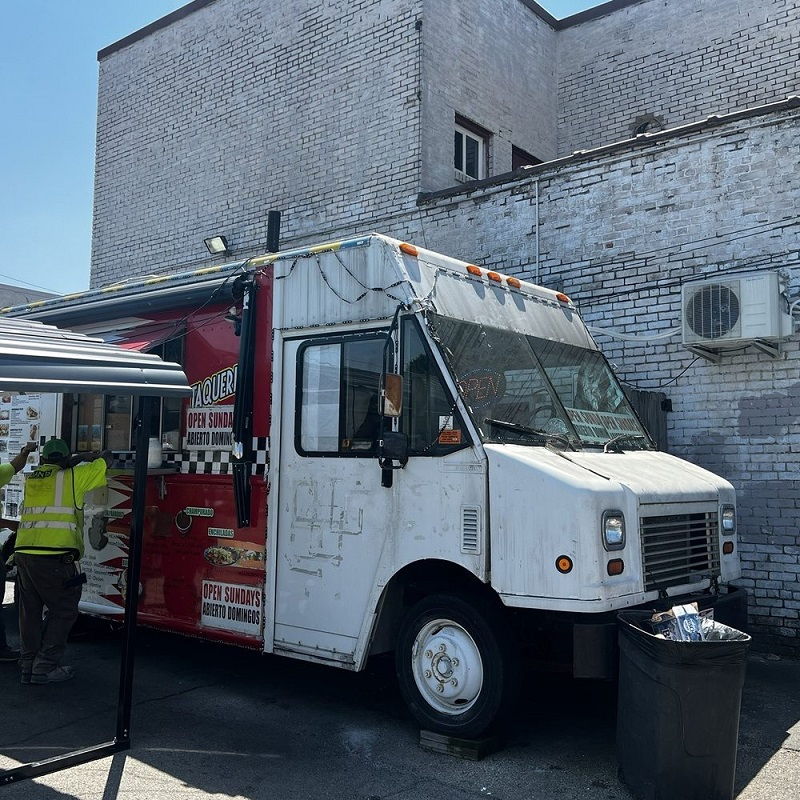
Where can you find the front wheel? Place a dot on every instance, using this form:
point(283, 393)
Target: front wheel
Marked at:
point(457, 664)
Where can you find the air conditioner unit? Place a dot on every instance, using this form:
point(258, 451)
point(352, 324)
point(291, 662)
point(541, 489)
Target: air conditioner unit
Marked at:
point(728, 313)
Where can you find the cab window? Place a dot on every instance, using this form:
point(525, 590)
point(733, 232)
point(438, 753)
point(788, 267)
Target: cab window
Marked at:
point(338, 393)
point(429, 417)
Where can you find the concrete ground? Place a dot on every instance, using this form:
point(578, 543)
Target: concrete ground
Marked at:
point(215, 722)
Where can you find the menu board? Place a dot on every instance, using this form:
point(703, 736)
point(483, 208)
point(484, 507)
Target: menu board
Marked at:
point(20, 416)
point(19, 422)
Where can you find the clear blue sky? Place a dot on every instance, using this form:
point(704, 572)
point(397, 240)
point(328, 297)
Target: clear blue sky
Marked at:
point(48, 94)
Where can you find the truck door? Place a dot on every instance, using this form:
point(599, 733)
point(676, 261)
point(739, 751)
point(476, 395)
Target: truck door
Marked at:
point(333, 515)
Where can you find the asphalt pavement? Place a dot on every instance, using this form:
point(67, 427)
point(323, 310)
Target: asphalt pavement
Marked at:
point(217, 722)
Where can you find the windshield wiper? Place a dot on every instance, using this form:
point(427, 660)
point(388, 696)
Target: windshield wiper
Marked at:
point(524, 429)
point(612, 444)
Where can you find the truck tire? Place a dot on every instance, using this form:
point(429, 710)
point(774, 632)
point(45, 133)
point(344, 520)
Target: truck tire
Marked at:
point(457, 664)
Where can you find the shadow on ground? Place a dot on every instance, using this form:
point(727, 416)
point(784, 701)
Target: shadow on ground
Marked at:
point(216, 721)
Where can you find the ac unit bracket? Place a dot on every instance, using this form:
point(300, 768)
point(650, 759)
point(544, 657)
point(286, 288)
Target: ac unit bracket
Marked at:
point(771, 349)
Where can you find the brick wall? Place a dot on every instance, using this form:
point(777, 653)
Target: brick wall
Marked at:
point(620, 233)
point(242, 106)
point(493, 63)
point(680, 60)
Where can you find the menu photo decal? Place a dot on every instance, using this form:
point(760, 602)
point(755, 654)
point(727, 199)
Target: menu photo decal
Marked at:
point(209, 421)
point(232, 607)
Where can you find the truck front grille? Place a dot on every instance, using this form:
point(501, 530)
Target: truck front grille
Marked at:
point(679, 548)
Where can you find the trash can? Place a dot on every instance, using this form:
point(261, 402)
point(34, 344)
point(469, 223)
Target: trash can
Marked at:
point(678, 711)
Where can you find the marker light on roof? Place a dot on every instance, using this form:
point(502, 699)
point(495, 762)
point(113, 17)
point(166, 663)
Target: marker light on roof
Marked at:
point(409, 249)
point(514, 283)
point(562, 297)
point(494, 276)
point(473, 270)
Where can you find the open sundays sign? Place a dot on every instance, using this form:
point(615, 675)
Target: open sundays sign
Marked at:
point(209, 421)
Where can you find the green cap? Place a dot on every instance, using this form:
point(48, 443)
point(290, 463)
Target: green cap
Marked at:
point(55, 447)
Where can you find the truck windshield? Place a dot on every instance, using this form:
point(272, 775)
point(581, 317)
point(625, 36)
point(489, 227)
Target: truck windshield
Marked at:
point(529, 390)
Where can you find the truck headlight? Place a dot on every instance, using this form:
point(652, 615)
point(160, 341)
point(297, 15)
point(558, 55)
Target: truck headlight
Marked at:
point(728, 519)
point(613, 530)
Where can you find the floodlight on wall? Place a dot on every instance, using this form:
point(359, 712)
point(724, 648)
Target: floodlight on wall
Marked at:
point(217, 245)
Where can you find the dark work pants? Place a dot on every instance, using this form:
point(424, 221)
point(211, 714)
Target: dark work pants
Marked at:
point(3, 642)
point(40, 585)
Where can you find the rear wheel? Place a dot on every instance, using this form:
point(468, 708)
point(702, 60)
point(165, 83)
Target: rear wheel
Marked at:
point(457, 664)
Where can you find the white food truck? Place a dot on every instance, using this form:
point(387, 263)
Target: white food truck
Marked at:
point(428, 457)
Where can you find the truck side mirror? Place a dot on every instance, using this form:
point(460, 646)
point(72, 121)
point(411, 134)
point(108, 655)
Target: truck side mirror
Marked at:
point(392, 395)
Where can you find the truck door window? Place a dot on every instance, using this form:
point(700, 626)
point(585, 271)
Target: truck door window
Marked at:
point(337, 408)
point(429, 419)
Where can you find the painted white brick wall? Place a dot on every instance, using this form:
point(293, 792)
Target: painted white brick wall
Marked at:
point(310, 107)
point(493, 63)
point(680, 60)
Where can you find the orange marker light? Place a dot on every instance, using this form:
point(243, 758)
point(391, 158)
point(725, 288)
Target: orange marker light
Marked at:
point(409, 249)
point(616, 566)
point(473, 270)
point(727, 548)
point(562, 297)
point(514, 283)
point(564, 564)
point(494, 276)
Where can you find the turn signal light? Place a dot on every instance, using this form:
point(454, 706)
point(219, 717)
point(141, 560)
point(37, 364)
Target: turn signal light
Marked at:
point(564, 564)
point(409, 249)
point(727, 548)
point(616, 566)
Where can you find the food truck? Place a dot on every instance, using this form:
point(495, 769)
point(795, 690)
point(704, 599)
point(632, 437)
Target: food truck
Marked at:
point(388, 449)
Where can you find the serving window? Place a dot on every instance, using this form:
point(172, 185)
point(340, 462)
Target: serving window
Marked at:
point(105, 422)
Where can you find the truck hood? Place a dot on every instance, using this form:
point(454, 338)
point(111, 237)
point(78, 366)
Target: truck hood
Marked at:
point(654, 476)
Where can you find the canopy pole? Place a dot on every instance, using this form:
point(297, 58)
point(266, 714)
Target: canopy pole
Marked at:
point(134, 568)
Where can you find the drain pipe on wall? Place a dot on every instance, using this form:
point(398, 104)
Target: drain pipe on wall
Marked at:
point(536, 224)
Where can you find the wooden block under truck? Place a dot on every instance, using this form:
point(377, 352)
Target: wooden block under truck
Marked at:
point(391, 450)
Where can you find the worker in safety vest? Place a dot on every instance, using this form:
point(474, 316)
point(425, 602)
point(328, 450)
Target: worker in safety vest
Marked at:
point(49, 543)
point(7, 472)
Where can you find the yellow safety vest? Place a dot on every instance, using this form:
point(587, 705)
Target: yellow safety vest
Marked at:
point(51, 521)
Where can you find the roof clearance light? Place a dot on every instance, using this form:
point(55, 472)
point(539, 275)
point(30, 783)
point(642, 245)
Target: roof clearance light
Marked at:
point(409, 249)
point(562, 297)
point(473, 270)
point(564, 564)
point(494, 276)
point(514, 283)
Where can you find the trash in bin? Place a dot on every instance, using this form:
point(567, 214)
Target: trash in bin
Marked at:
point(678, 705)
point(681, 623)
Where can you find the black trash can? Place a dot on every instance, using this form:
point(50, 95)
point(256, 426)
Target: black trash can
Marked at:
point(678, 711)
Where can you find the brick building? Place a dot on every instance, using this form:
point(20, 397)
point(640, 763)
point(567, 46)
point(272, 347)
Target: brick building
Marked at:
point(668, 153)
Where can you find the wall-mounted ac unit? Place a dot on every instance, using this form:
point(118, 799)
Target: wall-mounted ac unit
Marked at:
point(731, 312)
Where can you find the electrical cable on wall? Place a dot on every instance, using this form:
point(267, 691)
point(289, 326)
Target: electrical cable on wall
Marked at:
point(629, 337)
point(696, 244)
point(662, 385)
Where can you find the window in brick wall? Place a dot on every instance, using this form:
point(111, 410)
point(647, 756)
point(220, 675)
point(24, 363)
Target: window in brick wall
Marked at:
point(522, 158)
point(470, 150)
point(647, 123)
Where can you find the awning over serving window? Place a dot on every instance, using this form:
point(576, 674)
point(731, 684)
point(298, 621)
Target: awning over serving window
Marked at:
point(40, 358)
point(147, 336)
